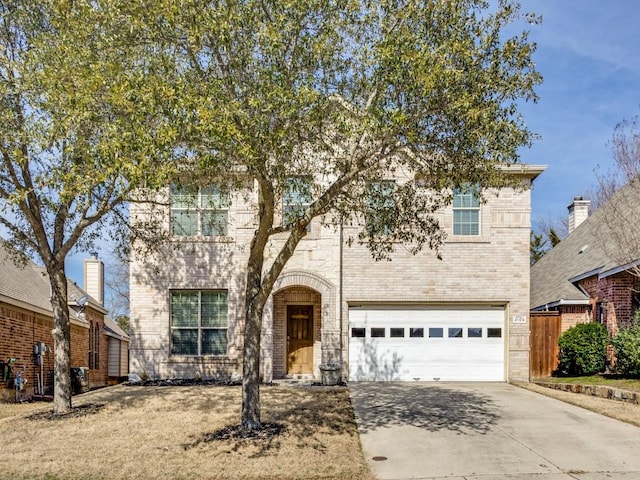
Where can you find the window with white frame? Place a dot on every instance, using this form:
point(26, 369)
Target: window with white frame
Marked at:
point(198, 211)
point(296, 199)
point(199, 322)
point(466, 212)
point(381, 203)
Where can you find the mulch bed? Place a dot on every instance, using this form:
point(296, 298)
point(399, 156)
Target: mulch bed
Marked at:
point(236, 432)
point(237, 435)
point(179, 382)
point(75, 412)
point(190, 382)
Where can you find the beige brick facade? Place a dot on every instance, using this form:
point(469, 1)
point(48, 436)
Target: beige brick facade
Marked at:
point(489, 269)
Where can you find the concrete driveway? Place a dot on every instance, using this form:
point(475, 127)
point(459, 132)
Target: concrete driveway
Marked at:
point(488, 431)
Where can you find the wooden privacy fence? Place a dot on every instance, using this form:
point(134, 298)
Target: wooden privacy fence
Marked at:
point(543, 343)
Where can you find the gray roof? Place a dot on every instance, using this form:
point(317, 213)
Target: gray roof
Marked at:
point(28, 284)
point(114, 330)
point(603, 244)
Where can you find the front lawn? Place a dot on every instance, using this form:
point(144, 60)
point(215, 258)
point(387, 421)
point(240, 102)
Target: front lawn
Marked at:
point(605, 380)
point(138, 432)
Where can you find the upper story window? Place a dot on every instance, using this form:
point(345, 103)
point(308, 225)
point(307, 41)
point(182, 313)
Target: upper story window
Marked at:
point(199, 320)
point(198, 211)
point(381, 202)
point(295, 199)
point(466, 212)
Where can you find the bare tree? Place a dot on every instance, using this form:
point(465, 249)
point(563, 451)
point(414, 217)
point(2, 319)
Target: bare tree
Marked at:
point(621, 217)
point(117, 290)
point(618, 194)
point(625, 151)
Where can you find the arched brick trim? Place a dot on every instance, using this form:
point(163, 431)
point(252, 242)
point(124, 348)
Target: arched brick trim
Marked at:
point(305, 279)
point(329, 349)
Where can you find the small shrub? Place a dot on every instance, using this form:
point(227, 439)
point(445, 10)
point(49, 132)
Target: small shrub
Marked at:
point(583, 350)
point(627, 349)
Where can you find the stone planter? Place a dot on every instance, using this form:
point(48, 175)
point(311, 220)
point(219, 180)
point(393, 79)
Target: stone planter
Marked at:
point(331, 373)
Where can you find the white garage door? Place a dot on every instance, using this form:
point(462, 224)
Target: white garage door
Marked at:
point(426, 344)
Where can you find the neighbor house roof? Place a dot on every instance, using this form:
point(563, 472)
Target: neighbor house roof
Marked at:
point(595, 247)
point(27, 286)
point(113, 329)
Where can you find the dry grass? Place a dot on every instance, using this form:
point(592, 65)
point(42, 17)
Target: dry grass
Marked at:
point(18, 409)
point(625, 412)
point(157, 432)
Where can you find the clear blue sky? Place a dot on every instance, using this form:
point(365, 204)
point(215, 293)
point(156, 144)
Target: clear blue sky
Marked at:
point(589, 54)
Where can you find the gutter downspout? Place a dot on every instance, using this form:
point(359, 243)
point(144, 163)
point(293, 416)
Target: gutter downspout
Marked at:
point(342, 362)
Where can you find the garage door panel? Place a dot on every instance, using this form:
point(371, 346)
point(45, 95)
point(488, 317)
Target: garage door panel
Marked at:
point(424, 357)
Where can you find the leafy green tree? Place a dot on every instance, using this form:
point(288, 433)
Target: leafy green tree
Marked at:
point(124, 322)
point(344, 93)
point(78, 130)
point(554, 238)
point(538, 247)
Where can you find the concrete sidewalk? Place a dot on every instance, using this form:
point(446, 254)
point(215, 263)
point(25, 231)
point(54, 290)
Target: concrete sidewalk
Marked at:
point(488, 431)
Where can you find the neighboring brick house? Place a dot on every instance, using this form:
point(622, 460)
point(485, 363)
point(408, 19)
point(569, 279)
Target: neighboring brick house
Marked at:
point(26, 323)
point(464, 317)
point(592, 275)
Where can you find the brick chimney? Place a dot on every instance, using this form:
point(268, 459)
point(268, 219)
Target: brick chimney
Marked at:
point(578, 212)
point(94, 277)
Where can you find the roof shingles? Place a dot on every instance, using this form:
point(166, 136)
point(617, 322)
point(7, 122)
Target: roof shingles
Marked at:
point(590, 248)
point(29, 284)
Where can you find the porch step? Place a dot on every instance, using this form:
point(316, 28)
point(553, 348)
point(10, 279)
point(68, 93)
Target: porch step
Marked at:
point(294, 380)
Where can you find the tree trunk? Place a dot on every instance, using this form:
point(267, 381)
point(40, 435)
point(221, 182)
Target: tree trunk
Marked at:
point(251, 365)
point(62, 342)
point(255, 300)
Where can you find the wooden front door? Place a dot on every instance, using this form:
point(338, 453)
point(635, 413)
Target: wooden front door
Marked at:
point(299, 339)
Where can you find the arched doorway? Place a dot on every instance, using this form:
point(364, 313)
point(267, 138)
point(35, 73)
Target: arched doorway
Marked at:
point(297, 326)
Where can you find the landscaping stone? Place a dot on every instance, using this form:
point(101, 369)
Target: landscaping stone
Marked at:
point(594, 390)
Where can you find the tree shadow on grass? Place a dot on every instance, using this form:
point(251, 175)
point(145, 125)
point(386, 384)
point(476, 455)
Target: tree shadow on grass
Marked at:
point(315, 409)
point(307, 416)
point(424, 406)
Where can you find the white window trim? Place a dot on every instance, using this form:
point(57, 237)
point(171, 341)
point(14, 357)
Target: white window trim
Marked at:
point(200, 328)
point(199, 210)
point(475, 208)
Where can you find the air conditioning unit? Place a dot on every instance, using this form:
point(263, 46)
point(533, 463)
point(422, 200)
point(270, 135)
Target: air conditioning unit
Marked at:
point(79, 380)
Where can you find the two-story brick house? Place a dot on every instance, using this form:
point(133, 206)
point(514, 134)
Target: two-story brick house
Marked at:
point(415, 317)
